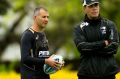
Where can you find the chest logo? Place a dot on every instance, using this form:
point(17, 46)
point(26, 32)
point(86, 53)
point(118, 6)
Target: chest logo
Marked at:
point(103, 30)
point(37, 37)
point(84, 24)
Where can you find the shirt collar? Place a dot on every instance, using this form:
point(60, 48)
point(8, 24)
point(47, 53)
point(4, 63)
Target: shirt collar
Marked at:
point(94, 21)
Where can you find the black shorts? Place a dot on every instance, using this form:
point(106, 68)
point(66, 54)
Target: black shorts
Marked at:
point(27, 73)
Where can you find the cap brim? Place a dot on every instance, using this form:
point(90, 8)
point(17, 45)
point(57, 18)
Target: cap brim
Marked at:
point(92, 3)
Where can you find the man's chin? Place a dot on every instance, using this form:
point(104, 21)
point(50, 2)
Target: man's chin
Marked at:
point(43, 27)
point(95, 17)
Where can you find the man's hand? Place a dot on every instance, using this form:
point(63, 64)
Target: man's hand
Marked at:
point(62, 65)
point(52, 63)
point(106, 42)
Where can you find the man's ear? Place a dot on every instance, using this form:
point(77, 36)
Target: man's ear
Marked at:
point(84, 9)
point(34, 17)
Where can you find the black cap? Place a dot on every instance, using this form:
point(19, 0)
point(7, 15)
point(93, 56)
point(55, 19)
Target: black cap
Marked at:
point(89, 2)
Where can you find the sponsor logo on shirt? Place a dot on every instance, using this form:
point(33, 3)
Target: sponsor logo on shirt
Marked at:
point(43, 54)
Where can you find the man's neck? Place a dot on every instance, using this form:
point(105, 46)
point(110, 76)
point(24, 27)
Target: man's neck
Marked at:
point(36, 28)
point(93, 18)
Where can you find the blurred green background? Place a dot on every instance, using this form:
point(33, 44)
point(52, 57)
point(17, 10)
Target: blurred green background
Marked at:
point(16, 16)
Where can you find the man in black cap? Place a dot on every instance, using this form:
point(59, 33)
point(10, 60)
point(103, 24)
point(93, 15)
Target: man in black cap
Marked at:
point(96, 39)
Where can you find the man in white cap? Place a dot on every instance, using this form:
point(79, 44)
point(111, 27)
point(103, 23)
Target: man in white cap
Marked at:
point(96, 39)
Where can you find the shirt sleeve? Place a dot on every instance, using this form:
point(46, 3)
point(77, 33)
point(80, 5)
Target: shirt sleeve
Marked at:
point(26, 46)
point(113, 39)
point(86, 47)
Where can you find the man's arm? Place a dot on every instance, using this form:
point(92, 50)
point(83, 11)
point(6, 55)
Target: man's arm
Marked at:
point(84, 46)
point(26, 47)
point(113, 40)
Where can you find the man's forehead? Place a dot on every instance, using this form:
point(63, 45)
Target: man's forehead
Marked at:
point(42, 11)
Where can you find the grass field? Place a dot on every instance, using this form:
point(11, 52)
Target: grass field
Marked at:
point(62, 74)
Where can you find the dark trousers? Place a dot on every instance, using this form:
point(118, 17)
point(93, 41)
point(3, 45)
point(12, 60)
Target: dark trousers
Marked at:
point(108, 77)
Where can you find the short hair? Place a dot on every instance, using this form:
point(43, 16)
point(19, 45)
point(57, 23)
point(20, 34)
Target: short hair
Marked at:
point(37, 9)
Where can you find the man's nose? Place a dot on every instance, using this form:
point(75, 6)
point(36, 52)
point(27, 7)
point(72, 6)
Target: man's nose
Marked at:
point(46, 18)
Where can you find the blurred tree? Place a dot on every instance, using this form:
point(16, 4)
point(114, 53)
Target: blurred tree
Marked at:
point(64, 15)
point(10, 36)
point(111, 11)
point(4, 6)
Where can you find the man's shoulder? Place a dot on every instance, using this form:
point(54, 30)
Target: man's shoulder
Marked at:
point(108, 21)
point(81, 24)
point(27, 33)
